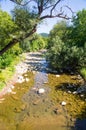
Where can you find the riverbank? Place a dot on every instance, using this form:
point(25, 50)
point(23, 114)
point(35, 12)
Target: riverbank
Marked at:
point(21, 68)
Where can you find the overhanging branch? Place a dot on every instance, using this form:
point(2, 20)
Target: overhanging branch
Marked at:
point(15, 41)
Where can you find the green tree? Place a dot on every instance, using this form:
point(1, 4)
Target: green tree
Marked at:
point(78, 33)
point(60, 29)
point(7, 28)
point(23, 18)
point(33, 44)
point(43, 9)
point(65, 53)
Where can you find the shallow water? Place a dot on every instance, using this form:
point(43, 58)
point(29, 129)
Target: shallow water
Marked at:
point(29, 110)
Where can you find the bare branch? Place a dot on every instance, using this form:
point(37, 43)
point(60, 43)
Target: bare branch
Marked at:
point(48, 7)
point(69, 8)
point(60, 15)
point(46, 3)
point(55, 6)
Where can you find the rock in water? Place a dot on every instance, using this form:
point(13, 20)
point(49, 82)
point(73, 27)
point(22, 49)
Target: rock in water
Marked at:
point(63, 103)
point(41, 90)
point(57, 75)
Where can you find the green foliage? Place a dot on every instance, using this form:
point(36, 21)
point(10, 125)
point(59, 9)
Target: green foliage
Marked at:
point(7, 27)
point(33, 44)
point(38, 43)
point(24, 19)
point(61, 29)
point(64, 56)
point(9, 56)
point(78, 34)
point(68, 51)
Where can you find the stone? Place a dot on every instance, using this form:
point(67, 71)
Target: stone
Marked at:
point(26, 79)
point(9, 90)
point(69, 92)
point(79, 77)
point(36, 102)
point(81, 89)
point(81, 95)
point(57, 75)
point(41, 90)
point(15, 98)
point(23, 107)
point(12, 86)
point(56, 111)
point(45, 82)
point(20, 79)
point(13, 92)
point(17, 110)
point(63, 103)
point(75, 92)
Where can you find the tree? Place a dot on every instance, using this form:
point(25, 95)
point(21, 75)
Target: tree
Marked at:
point(78, 33)
point(35, 43)
point(44, 9)
point(61, 29)
point(7, 27)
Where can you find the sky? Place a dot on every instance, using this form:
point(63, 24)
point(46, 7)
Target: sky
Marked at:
point(48, 24)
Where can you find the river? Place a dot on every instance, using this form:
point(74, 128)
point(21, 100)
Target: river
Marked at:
point(36, 103)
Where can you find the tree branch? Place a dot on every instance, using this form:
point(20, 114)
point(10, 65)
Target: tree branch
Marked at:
point(15, 41)
point(55, 6)
point(11, 43)
point(60, 15)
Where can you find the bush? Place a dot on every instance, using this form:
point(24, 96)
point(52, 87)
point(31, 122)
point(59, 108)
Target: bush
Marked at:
point(65, 56)
point(8, 57)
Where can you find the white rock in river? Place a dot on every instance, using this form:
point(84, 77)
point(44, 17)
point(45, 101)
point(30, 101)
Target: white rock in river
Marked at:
point(12, 87)
point(57, 75)
point(26, 79)
point(41, 90)
point(63, 103)
point(9, 90)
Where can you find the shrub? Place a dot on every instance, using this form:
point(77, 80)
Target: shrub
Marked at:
point(65, 56)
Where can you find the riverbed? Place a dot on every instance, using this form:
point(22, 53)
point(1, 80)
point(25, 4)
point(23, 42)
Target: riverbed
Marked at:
point(34, 100)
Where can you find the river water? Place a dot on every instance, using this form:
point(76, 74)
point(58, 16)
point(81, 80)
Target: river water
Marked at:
point(27, 109)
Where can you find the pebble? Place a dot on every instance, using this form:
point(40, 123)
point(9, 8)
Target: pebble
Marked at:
point(13, 92)
point(9, 90)
point(26, 79)
point(12, 87)
point(75, 92)
point(41, 90)
point(69, 92)
point(81, 95)
point(63, 103)
point(57, 75)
